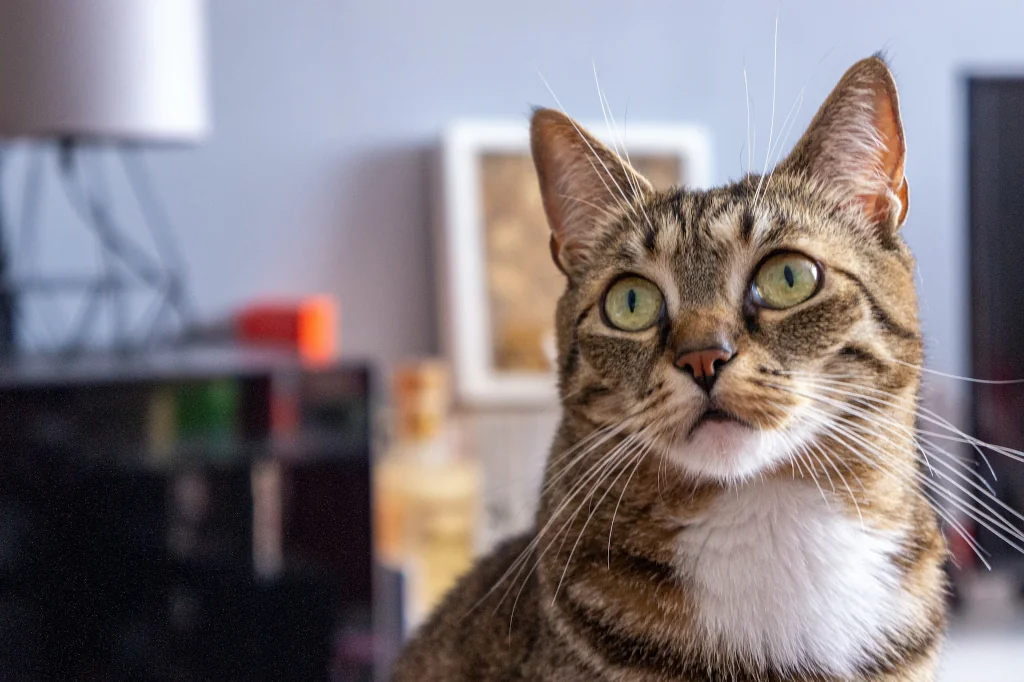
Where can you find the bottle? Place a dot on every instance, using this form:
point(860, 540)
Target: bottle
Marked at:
point(428, 491)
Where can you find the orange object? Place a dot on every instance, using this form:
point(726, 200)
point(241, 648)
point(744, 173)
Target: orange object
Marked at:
point(309, 326)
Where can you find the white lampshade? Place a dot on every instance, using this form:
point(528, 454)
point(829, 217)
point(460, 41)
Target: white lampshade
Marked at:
point(109, 69)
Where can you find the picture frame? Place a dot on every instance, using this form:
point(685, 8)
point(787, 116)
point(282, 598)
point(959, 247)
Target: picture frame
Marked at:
point(497, 283)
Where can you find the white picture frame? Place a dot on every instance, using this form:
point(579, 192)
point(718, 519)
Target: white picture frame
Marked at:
point(462, 264)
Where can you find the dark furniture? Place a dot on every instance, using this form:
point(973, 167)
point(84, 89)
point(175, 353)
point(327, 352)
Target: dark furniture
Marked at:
point(185, 516)
point(996, 218)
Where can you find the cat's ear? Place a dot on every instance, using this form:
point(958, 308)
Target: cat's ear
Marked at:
point(583, 185)
point(856, 143)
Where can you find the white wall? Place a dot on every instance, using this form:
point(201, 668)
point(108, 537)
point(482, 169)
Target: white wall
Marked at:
point(315, 176)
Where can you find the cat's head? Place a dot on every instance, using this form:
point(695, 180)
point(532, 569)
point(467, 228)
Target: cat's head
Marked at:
point(727, 327)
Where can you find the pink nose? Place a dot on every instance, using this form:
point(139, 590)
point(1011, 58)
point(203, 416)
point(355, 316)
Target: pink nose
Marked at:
point(703, 364)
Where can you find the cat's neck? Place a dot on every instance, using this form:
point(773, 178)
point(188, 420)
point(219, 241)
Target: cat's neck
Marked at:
point(783, 572)
point(779, 573)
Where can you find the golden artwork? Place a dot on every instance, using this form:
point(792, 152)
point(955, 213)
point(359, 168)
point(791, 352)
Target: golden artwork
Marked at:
point(523, 285)
point(498, 287)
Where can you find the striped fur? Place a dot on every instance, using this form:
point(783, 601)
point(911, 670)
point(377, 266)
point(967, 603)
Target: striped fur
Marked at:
point(798, 548)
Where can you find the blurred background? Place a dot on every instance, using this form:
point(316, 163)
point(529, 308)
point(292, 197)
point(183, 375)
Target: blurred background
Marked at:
point(275, 295)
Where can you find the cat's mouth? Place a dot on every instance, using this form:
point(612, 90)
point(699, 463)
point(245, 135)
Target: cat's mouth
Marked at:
point(715, 415)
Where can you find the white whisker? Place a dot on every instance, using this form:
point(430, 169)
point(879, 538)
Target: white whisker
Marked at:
point(798, 105)
point(919, 411)
point(610, 124)
point(594, 489)
point(611, 526)
point(771, 128)
point(746, 98)
point(993, 521)
point(853, 498)
point(975, 506)
point(595, 472)
point(593, 153)
point(945, 375)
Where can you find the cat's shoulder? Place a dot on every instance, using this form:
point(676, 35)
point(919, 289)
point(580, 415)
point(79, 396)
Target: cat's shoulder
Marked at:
point(485, 626)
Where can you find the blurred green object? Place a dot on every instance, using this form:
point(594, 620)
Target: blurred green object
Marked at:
point(207, 413)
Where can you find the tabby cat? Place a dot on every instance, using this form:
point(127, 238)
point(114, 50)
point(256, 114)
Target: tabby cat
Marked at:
point(734, 493)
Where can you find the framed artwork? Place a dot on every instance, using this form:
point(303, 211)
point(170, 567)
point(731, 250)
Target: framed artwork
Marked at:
point(498, 284)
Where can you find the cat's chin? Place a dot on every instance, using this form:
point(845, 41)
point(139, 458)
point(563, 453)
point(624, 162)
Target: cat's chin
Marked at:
point(725, 451)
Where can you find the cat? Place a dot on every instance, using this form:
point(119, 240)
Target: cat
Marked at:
point(734, 493)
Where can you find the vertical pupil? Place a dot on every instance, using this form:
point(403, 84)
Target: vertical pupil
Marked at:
point(631, 300)
point(788, 274)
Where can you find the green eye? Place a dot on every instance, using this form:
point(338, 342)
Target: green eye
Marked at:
point(786, 279)
point(632, 304)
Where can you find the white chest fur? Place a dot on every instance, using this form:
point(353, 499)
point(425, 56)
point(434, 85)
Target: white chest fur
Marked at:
point(783, 578)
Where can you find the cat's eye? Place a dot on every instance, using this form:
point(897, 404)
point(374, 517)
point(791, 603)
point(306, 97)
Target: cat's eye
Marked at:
point(785, 280)
point(632, 304)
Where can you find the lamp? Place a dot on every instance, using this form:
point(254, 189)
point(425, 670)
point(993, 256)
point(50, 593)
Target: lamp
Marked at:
point(112, 74)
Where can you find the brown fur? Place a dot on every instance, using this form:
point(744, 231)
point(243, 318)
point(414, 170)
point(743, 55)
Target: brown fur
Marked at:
point(600, 594)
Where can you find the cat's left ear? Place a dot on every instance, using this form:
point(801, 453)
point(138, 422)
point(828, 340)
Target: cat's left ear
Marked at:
point(856, 143)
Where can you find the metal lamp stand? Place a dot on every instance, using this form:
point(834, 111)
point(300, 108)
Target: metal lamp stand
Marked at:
point(125, 268)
